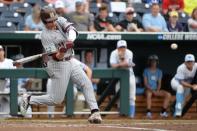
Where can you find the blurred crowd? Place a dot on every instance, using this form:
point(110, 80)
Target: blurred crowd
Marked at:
point(104, 15)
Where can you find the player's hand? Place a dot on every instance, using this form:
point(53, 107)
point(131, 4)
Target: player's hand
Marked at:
point(58, 56)
point(194, 87)
point(62, 49)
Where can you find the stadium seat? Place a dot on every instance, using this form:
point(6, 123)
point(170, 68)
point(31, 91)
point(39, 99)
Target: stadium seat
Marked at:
point(93, 8)
point(183, 20)
point(3, 7)
point(11, 16)
point(136, 17)
point(21, 25)
point(116, 17)
point(20, 7)
point(33, 2)
point(6, 26)
point(140, 8)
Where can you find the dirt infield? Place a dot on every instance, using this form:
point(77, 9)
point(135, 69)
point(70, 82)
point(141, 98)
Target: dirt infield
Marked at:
point(107, 125)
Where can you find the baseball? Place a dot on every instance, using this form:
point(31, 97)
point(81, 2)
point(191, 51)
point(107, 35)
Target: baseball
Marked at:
point(174, 46)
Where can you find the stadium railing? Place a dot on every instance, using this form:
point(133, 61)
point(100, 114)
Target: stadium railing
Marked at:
point(14, 74)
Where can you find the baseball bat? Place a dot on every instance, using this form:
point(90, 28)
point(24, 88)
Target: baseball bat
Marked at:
point(30, 58)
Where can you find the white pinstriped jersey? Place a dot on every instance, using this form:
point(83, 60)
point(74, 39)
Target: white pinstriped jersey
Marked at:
point(51, 38)
point(81, 64)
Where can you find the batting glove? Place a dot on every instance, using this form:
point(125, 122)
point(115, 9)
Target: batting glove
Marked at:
point(69, 44)
point(62, 49)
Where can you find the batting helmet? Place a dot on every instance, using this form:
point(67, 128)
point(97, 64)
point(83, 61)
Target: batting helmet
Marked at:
point(48, 14)
point(152, 58)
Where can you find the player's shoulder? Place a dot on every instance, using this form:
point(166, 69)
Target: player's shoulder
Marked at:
point(114, 51)
point(195, 65)
point(7, 60)
point(146, 70)
point(129, 51)
point(181, 67)
point(62, 19)
point(159, 70)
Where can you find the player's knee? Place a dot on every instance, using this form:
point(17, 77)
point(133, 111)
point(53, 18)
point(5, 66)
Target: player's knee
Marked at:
point(132, 101)
point(180, 89)
point(168, 95)
point(57, 100)
point(87, 84)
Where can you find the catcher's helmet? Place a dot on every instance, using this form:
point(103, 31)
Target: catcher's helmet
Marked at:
point(48, 14)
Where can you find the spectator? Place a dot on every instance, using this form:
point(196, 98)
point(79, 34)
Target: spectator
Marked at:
point(70, 5)
point(171, 5)
point(154, 21)
point(83, 21)
point(152, 82)
point(10, 1)
point(123, 58)
point(89, 61)
point(102, 21)
point(189, 6)
point(173, 24)
point(23, 84)
point(192, 22)
point(181, 82)
point(129, 23)
point(5, 63)
point(60, 8)
point(33, 21)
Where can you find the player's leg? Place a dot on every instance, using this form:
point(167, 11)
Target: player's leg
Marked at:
point(50, 108)
point(132, 95)
point(167, 96)
point(179, 96)
point(57, 90)
point(148, 102)
point(59, 82)
point(189, 103)
point(193, 97)
point(79, 77)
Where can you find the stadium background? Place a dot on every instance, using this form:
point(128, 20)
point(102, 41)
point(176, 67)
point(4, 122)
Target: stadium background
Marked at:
point(142, 46)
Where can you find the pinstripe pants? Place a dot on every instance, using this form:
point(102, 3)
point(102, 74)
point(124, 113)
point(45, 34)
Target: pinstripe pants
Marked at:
point(62, 72)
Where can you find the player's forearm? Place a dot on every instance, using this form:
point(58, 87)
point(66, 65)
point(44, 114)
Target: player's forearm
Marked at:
point(186, 84)
point(115, 65)
point(72, 35)
point(89, 73)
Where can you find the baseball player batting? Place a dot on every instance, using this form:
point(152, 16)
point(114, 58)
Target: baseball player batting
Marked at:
point(59, 35)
